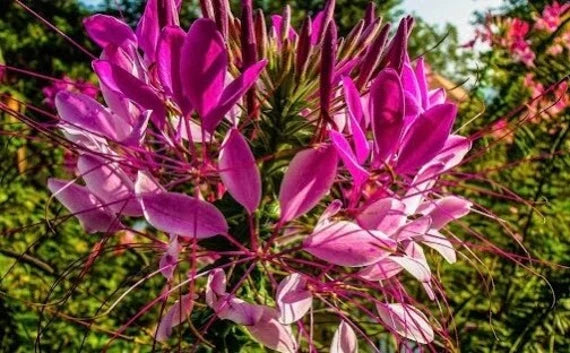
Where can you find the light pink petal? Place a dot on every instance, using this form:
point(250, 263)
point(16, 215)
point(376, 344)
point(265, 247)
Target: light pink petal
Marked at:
point(437, 96)
point(105, 30)
point(359, 174)
point(413, 229)
point(293, 299)
point(83, 112)
point(92, 215)
point(439, 243)
point(204, 66)
point(332, 209)
point(414, 262)
point(169, 259)
point(146, 184)
point(453, 151)
point(109, 183)
point(386, 215)
point(382, 270)
point(177, 314)
point(121, 81)
point(346, 244)
point(273, 334)
point(309, 177)
point(444, 210)
point(181, 214)
point(232, 94)
point(386, 112)
point(406, 321)
point(138, 132)
point(420, 186)
point(239, 172)
point(344, 340)
point(426, 137)
point(168, 57)
point(216, 287)
point(239, 311)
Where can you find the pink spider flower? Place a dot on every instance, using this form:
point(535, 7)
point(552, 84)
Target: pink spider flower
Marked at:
point(551, 17)
point(311, 158)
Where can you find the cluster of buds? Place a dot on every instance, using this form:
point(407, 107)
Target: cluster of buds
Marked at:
point(306, 158)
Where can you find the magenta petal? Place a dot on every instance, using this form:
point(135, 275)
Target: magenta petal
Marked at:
point(426, 137)
point(409, 81)
point(239, 172)
point(382, 270)
point(183, 215)
point(177, 314)
point(437, 96)
point(169, 259)
point(386, 112)
point(109, 183)
point(83, 112)
point(359, 174)
point(273, 334)
point(92, 215)
point(353, 102)
point(203, 66)
point(105, 30)
point(396, 54)
point(344, 340)
point(309, 177)
point(346, 244)
point(168, 56)
point(422, 82)
point(317, 27)
point(121, 81)
point(232, 94)
point(453, 151)
point(332, 209)
point(293, 299)
point(406, 321)
point(157, 14)
point(386, 215)
point(445, 210)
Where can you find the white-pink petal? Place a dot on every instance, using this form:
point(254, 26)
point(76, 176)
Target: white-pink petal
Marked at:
point(293, 299)
point(344, 340)
point(406, 321)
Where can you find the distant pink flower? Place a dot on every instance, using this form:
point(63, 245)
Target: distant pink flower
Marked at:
point(68, 84)
point(551, 17)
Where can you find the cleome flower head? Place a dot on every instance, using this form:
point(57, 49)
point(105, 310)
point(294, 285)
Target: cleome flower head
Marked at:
point(308, 160)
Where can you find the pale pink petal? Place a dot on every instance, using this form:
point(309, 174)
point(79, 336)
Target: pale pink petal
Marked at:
point(382, 270)
point(273, 334)
point(238, 170)
point(344, 340)
point(177, 314)
point(444, 210)
point(415, 228)
point(406, 321)
point(293, 299)
point(169, 259)
point(439, 243)
point(83, 112)
point(92, 215)
point(346, 244)
point(239, 311)
point(109, 183)
point(332, 209)
point(386, 215)
point(216, 286)
point(309, 177)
